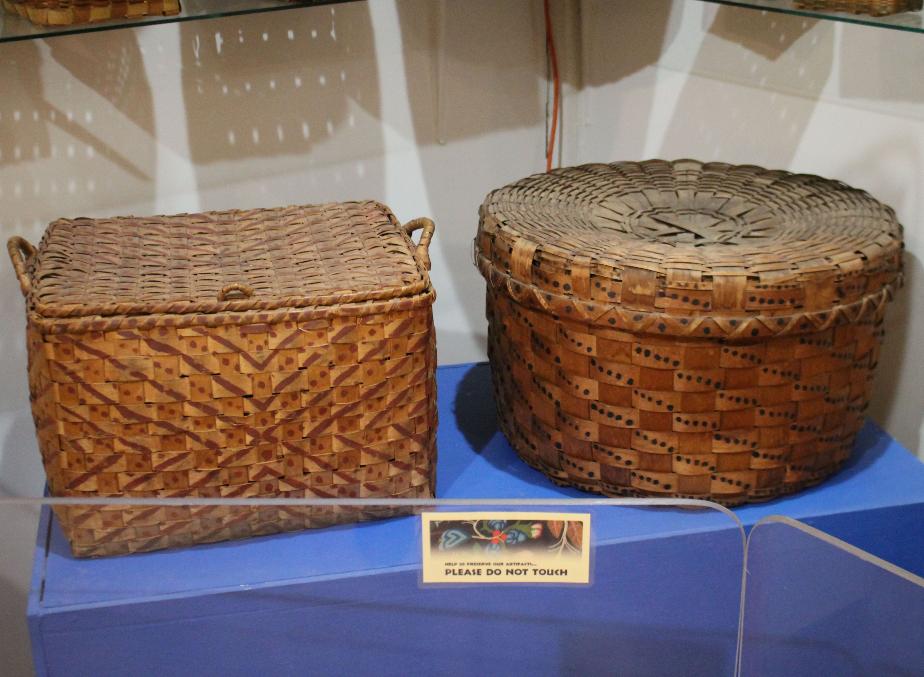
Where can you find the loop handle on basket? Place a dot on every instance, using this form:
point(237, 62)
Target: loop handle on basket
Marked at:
point(21, 253)
point(422, 253)
point(235, 289)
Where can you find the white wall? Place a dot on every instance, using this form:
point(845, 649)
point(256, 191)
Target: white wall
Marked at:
point(352, 101)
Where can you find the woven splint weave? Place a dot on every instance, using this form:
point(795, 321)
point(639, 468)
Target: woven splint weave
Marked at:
point(685, 329)
point(265, 353)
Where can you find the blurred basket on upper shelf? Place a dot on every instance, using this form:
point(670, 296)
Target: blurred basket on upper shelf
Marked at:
point(872, 7)
point(72, 12)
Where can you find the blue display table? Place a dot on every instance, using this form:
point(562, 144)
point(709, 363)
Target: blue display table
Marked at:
point(347, 600)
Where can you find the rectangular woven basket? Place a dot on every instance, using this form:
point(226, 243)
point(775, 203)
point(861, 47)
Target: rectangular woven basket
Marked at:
point(70, 12)
point(267, 353)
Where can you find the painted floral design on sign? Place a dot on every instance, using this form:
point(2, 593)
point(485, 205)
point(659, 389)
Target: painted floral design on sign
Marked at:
point(496, 536)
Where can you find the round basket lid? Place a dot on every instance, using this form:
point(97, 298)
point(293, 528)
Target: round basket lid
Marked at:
point(691, 248)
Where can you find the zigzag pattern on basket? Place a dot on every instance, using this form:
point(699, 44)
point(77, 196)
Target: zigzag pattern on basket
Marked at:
point(730, 327)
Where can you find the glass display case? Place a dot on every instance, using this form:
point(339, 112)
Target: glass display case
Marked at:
point(830, 578)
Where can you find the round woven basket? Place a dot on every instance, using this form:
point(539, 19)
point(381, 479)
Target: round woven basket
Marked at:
point(685, 329)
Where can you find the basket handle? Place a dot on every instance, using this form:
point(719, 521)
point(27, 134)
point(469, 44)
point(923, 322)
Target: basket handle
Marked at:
point(235, 289)
point(21, 253)
point(422, 253)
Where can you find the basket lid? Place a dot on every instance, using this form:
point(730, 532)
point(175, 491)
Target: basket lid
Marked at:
point(259, 259)
point(690, 240)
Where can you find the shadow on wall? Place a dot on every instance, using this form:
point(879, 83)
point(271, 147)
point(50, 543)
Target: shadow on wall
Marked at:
point(622, 41)
point(772, 39)
point(475, 71)
point(479, 61)
point(116, 74)
point(54, 113)
point(637, 32)
point(770, 52)
point(75, 123)
point(315, 84)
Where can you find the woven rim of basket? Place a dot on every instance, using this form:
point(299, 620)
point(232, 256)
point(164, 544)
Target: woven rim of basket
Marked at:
point(731, 327)
point(550, 240)
point(223, 310)
point(76, 325)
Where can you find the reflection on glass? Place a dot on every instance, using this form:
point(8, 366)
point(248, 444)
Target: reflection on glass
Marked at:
point(816, 605)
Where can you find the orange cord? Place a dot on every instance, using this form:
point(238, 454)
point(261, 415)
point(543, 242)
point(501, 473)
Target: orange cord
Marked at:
point(556, 86)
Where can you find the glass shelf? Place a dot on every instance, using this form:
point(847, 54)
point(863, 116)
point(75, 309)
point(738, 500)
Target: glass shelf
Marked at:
point(906, 21)
point(13, 27)
point(16, 28)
